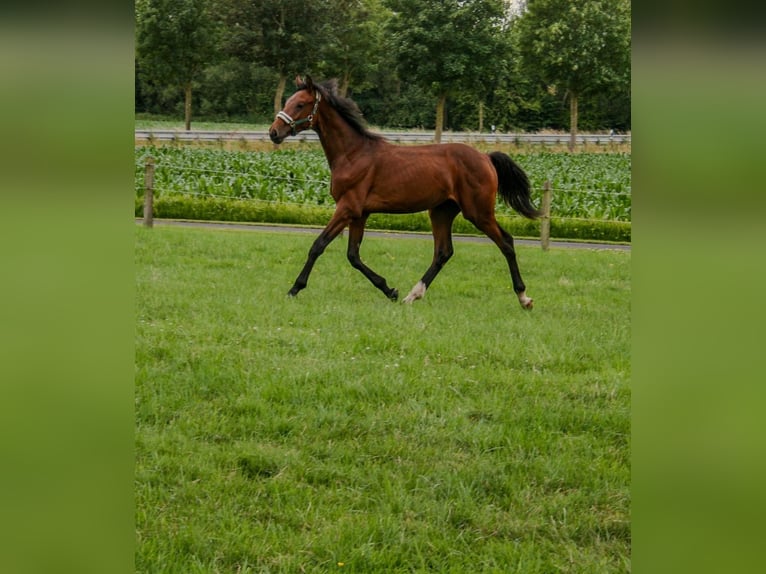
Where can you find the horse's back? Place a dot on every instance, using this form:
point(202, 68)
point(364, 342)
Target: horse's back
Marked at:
point(442, 164)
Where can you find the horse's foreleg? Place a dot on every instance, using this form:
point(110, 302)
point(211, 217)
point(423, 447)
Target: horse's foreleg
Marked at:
point(355, 234)
point(330, 232)
point(442, 217)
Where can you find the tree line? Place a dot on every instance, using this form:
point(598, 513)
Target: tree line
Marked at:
point(433, 64)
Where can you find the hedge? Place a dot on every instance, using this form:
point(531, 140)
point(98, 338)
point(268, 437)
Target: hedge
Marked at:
point(218, 209)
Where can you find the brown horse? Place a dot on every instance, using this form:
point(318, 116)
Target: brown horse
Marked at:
point(370, 175)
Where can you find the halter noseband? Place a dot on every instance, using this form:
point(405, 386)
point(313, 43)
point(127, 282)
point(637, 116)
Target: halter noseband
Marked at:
point(285, 117)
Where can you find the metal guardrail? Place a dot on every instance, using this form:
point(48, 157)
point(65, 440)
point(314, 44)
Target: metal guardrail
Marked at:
point(394, 137)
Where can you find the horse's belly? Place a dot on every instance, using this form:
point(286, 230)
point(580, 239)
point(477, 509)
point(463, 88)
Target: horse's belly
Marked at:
point(407, 196)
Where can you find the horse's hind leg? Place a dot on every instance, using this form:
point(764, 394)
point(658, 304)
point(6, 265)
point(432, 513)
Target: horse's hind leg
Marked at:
point(504, 241)
point(355, 234)
point(442, 217)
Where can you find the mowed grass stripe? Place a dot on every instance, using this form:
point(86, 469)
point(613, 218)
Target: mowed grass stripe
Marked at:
point(459, 434)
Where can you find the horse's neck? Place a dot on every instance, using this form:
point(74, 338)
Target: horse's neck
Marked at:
point(339, 140)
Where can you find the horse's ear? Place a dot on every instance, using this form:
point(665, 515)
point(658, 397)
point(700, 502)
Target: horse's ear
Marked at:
point(298, 81)
point(309, 82)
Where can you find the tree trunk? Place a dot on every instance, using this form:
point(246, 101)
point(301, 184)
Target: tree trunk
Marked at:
point(481, 116)
point(187, 105)
point(343, 89)
point(279, 93)
point(440, 118)
point(572, 120)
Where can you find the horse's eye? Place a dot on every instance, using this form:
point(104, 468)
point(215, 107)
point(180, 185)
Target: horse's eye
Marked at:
point(300, 106)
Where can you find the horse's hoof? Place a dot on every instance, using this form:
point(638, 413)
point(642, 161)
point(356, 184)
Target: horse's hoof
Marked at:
point(394, 295)
point(528, 304)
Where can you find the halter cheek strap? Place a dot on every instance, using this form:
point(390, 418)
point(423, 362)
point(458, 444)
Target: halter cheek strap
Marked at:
point(285, 117)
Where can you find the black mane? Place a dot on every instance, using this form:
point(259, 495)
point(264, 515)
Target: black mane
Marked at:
point(347, 108)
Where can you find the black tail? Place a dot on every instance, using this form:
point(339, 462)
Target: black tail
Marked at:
point(513, 185)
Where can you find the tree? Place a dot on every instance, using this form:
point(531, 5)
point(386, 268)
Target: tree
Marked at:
point(176, 39)
point(286, 36)
point(354, 42)
point(446, 46)
point(576, 47)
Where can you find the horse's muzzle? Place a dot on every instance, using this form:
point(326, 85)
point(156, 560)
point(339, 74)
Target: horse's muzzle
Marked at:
point(275, 137)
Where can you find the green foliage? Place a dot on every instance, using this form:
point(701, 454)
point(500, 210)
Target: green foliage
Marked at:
point(229, 93)
point(391, 63)
point(340, 432)
point(585, 185)
point(576, 46)
point(175, 41)
point(591, 230)
point(445, 46)
point(217, 209)
point(354, 43)
point(283, 34)
point(287, 175)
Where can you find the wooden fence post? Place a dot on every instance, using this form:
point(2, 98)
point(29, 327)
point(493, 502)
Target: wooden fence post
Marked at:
point(545, 223)
point(149, 192)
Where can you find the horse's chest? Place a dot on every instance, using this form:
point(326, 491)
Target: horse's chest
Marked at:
point(350, 183)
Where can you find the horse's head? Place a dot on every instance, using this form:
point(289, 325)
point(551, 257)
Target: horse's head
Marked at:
point(298, 113)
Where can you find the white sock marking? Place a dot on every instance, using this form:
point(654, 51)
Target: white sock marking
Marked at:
point(418, 291)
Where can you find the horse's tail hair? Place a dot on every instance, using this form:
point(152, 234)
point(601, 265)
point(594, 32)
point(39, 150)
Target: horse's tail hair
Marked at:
point(513, 185)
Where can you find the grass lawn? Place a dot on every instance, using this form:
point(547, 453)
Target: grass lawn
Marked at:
point(340, 432)
point(148, 122)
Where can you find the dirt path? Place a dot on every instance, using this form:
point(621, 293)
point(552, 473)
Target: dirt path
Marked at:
point(369, 233)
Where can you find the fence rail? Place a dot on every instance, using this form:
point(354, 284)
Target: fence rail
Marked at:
point(164, 135)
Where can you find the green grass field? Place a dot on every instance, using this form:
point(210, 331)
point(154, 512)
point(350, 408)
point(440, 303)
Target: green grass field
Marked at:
point(340, 432)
